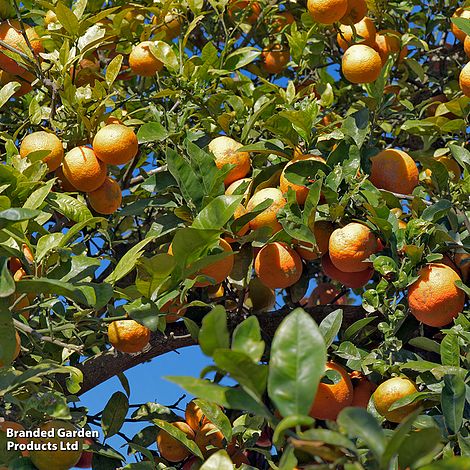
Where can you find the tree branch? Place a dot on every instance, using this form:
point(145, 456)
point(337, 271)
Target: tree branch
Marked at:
point(103, 366)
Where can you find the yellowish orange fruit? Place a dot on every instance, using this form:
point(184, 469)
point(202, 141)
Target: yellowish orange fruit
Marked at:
point(389, 392)
point(267, 218)
point(174, 311)
point(244, 10)
point(128, 336)
point(355, 11)
point(278, 266)
point(5, 425)
point(65, 184)
point(351, 280)
point(462, 260)
point(323, 294)
point(275, 58)
point(220, 270)
point(107, 198)
point(433, 298)
point(365, 32)
point(44, 141)
point(457, 32)
point(394, 170)
point(115, 144)
point(170, 25)
point(361, 64)
point(322, 230)
point(350, 247)
point(332, 398)
point(283, 19)
point(194, 416)
point(451, 166)
point(260, 298)
point(464, 80)
point(209, 439)
point(466, 46)
point(83, 169)
point(388, 41)
point(363, 389)
point(327, 11)
point(142, 62)
point(25, 85)
point(225, 151)
point(170, 448)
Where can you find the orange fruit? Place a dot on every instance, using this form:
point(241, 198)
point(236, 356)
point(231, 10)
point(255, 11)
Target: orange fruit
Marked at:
point(209, 439)
point(327, 11)
point(351, 280)
point(142, 62)
point(225, 151)
point(83, 169)
point(433, 298)
point(332, 398)
point(350, 246)
point(362, 389)
point(260, 297)
point(11, 34)
point(115, 144)
point(170, 25)
point(44, 141)
point(451, 166)
point(194, 416)
point(466, 46)
point(235, 185)
point(5, 425)
point(322, 230)
point(282, 19)
point(278, 266)
point(170, 448)
point(220, 270)
point(323, 294)
point(355, 11)
point(275, 58)
point(361, 64)
point(267, 218)
point(128, 336)
point(173, 311)
point(107, 198)
point(16, 352)
point(457, 32)
point(389, 392)
point(462, 260)
point(240, 211)
point(388, 41)
point(65, 184)
point(365, 32)
point(86, 72)
point(246, 10)
point(301, 192)
point(394, 170)
point(25, 85)
point(464, 80)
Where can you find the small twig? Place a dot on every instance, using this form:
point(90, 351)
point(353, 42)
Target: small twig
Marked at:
point(409, 198)
point(140, 179)
point(47, 339)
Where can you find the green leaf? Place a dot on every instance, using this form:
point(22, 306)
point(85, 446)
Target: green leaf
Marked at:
point(67, 19)
point(289, 423)
point(69, 206)
point(356, 327)
point(461, 154)
point(8, 335)
point(303, 172)
point(356, 126)
point(113, 69)
point(218, 461)
point(453, 402)
point(462, 23)
point(214, 332)
point(114, 414)
point(418, 445)
point(178, 435)
point(127, 263)
point(7, 91)
point(452, 463)
point(358, 423)
point(298, 357)
point(450, 350)
point(217, 213)
point(36, 199)
point(216, 416)
point(164, 53)
point(436, 211)
point(329, 437)
point(151, 132)
point(13, 215)
point(330, 326)
point(153, 273)
point(247, 338)
point(241, 57)
point(252, 377)
point(7, 283)
point(231, 398)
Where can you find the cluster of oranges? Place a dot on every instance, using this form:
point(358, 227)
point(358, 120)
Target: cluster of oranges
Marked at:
point(464, 77)
point(85, 168)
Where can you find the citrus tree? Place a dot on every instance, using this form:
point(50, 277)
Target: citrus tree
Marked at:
point(283, 184)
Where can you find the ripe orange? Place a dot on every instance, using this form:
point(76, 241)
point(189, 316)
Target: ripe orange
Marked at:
point(327, 11)
point(323, 294)
point(464, 80)
point(466, 46)
point(394, 170)
point(65, 184)
point(365, 31)
point(15, 354)
point(267, 218)
point(451, 166)
point(83, 169)
point(351, 280)
point(283, 19)
point(361, 64)
point(115, 144)
point(233, 187)
point(433, 298)
point(389, 392)
point(128, 336)
point(275, 58)
point(194, 416)
point(278, 266)
point(355, 11)
point(44, 141)
point(56, 459)
point(350, 246)
point(170, 25)
point(25, 85)
point(220, 270)
point(11, 34)
point(107, 198)
point(173, 310)
point(225, 151)
point(209, 439)
point(363, 389)
point(142, 62)
point(388, 41)
point(301, 192)
point(246, 10)
point(86, 72)
point(462, 260)
point(170, 448)
point(5, 425)
point(457, 32)
point(332, 398)
point(240, 211)
point(322, 229)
